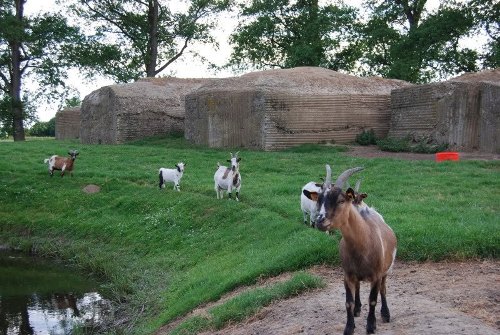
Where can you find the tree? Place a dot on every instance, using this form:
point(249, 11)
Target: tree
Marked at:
point(34, 48)
point(150, 34)
point(487, 18)
point(401, 40)
point(44, 129)
point(284, 34)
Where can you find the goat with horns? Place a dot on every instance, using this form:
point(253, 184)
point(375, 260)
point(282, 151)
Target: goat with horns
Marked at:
point(367, 247)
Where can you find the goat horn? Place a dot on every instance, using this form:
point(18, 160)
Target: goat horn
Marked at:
point(345, 175)
point(328, 179)
point(358, 184)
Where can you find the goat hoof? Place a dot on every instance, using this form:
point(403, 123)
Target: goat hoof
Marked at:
point(370, 329)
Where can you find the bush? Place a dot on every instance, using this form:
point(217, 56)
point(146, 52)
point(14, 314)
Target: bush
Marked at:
point(408, 144)
point(394, 145)
point(44, 129)
point(366, 138)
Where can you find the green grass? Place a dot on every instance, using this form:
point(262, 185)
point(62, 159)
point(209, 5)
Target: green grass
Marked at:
point(164, 253)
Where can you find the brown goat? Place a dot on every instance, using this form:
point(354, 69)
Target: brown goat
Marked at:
point(367, 247)
point(62, 163)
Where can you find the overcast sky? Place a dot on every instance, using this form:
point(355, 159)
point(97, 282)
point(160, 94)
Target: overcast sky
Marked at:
point(183, 68)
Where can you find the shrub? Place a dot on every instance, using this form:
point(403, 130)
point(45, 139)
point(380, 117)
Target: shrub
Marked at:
point(44, 128)
point(407, 144)
point(366, 137)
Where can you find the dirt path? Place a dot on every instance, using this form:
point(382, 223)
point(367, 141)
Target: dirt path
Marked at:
point(430, 298)
point(372, 151)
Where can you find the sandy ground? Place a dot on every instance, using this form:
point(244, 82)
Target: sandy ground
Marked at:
point(460, 298)
point(372, 151)
point(425, 298)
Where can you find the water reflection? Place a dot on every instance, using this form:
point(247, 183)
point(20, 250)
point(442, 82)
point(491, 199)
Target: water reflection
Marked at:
point(37, 297)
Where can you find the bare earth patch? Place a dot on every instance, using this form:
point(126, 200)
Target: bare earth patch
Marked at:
point(372, 151)
point(428, 298)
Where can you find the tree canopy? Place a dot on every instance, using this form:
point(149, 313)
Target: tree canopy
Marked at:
point(399, 39)
point(284, 34)
point(31, 48)
point(148, 36)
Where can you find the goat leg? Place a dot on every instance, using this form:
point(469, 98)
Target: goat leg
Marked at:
point(349, 305)
point(384, 311)
point(371, 323)
point(357, 301)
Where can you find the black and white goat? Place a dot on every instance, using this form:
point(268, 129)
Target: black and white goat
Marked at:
point(308, 206)
point(62, 163)
point(367, 248)
point(172, 175)
point(227, 179)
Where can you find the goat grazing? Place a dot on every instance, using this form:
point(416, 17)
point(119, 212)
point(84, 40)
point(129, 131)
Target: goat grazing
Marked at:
point(228, 178)
point(62, 163)
point(367, 247)
point(172, 175)
point(307, 205)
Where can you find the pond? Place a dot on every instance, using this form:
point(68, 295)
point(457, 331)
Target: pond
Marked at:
point(42, 297)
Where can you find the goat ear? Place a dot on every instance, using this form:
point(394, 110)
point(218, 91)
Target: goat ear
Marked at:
point(238, 160)
point(350, 194)
point(229, 160)
point(311, 195)
point(363, 195)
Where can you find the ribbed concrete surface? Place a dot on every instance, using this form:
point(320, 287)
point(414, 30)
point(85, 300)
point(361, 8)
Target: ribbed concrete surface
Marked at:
point(463, 112)
point(120, 113)
point(68, 124)
point(277, 109)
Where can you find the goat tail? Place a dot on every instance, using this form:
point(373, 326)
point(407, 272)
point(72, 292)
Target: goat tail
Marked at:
point(46, 160)
point(161, 179)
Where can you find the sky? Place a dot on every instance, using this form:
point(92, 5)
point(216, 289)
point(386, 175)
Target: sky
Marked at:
point(186, 67)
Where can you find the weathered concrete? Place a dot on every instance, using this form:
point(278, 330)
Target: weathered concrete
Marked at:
point(463, 112)
point(277, 109)
point(68, 124)
point(120, 113)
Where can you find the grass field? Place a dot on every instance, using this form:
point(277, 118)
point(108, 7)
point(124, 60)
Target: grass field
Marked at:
point(165, 252)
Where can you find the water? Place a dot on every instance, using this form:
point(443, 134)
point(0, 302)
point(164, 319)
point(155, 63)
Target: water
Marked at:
point(40, 297)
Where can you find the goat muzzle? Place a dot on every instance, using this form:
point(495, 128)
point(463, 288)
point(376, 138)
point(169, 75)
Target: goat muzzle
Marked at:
point(320, 222)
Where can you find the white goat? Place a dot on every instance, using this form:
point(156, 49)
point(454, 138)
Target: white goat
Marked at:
point(307, 205)
point(228, 178)
point(172, 175)
point(62, 163)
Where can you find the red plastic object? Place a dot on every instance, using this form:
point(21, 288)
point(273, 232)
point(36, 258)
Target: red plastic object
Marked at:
point(447, 156)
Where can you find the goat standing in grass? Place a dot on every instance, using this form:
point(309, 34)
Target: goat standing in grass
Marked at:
point(308, 206)
point(228, 178)
point(172, 175)
point(62, 163)
point(367, 247)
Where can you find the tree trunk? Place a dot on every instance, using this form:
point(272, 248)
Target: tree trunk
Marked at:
point(15, 89)
point(152, 48)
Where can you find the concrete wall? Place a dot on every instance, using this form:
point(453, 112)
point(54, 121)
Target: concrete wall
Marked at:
point(277, 109)
point(463, 112)
point(68, 124)
point(150, 107)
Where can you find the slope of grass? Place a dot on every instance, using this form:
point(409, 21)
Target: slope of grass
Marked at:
point(165, 252)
